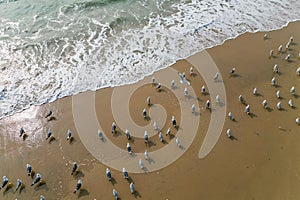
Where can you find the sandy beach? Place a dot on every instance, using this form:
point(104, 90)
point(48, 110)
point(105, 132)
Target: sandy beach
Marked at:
point(261, 162)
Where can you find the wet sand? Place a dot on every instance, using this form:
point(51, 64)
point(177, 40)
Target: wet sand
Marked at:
point(260, 163)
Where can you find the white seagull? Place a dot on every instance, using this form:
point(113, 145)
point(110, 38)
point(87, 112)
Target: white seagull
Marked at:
point(265, 104)
point(131, 186)
point(278, 94)
point(160, 137)
point(273, 81)
point(255, 91)
point(291, 103)
point(292, 90)
point(141, 164)
point(183, 79)
point(193, 108)
point(275, 68)
point(228, 133)
point(186, 92)
point(146, 155)
point(279, 105)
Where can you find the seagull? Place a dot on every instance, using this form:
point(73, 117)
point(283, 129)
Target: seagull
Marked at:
point(69, 134)
point(193, 108)
point(298, 120)
point(144, 113)
point(183, 79)
point(153, 80)
point(168, 131)
point(158, 87)
point(241, 98)
point(216, 76)
point(174, 121)
point(127, 134)
point(230, 116)
point(203, 89)
point(141, 164)
point(37, 179)
point(177, 142)
point(191, 71)
point(129, 148)
point(131, 186)
point(19, 183)
point(125, 173)
point(48, 134)
point(218, 101)
point(28, 169)
point(280, 49)
point(207, 104)
point(279, 105)
point(172, 83)
point(160, 137)
point(186, 92)
point(146, 137)
point(275, 68)
point(113, 127)
point(265, 36)
point(146, 155)
point(288, 57)
point(42, 197)
point(247, 109)
point(298, 71)
point(4, 182)
point(100, 134)
point(48, 114)
point(148, 101)
point(292, 90)
point(155, 126)
point(273, 81)
point(78, 185)
point(108, 174)
point(115, 193)
point(74, 168)
point(232, 71)
point(271, 53)
point(228, 133)
point(291, 103)
point(21, 132)
point(255, 91)
point(291, 40)
point(287, 46)
point(278, 94)
point(265, 104)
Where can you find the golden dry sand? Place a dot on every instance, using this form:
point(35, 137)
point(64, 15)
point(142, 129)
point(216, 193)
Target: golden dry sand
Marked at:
point(262, 162)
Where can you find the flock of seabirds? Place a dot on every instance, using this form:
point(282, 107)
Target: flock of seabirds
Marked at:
point(38, 177)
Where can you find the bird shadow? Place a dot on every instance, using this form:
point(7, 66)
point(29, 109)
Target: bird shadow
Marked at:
point(113, 181)
point(32, 174)
point(164, 141)
point(296, 96)
point(232, 138)
point(252, 115)
point(51, 119)
point(72, 140)
point(78, 174)
point(276, 86)
point(221, 104)
point(147, 118)
point(235, 76)
point(83, 192)
point(205, 93)
point(197, 113)
point(52, 139)
point(258, 95)
point(282, 109)
point(150, 160)
point(269, 109)
point(8, 188)
point(136, 194)
point(22, 188)
point(25, 136)
point(150, 143)
point(41, 185)
point(244, 103)
point(117, 134)
point(175, 87)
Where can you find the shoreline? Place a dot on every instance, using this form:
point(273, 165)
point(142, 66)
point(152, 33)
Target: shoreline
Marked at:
point(260, 163)
point(148, 75)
